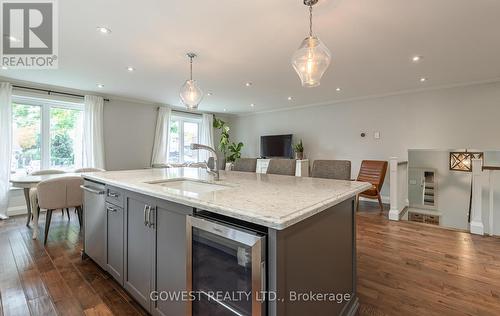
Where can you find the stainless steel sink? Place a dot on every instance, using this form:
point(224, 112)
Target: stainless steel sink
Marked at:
point(189, 185)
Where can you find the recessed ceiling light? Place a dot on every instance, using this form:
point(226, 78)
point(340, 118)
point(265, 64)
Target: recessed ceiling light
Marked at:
point(130, 69)
point(224, 110)
point(423, 79)
point(338, 89)
point(248, 84)
point(290, 98)
point(100, 85)
point(209, 93)
point(416, 58)
point(103, 30)
point(252, 105)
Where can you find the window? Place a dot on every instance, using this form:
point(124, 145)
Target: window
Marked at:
point(46, 134)
point(184, 130)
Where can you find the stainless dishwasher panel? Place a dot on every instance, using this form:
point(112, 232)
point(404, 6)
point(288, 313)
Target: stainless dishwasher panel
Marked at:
point(94, 219)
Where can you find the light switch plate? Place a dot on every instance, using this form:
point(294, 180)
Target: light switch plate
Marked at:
point(376, 135)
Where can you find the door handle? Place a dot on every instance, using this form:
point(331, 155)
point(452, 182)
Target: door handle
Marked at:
point(111, 209)
point(148, 213)
point(91, 190)
point(113, 194)
point(151, 222)
point(145, 218)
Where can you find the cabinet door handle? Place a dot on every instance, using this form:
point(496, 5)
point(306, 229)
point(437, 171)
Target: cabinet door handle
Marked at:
point(113, 194)
point(145, 218)
point(152, 209)
point(148, 213)
point(111, 209)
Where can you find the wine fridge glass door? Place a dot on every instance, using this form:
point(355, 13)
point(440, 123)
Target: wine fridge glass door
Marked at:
point(227, 266)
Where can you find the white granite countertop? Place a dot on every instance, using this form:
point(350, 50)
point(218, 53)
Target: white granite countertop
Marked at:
point(269, 200)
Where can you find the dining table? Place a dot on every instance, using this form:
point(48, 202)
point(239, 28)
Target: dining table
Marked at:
point(26, 182)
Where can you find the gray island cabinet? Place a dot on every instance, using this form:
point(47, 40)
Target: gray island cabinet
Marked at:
point(307, 264)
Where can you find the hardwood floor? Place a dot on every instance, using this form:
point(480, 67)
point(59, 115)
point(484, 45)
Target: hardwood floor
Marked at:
point(403, 269)
point(54, 280)
point(406, 268)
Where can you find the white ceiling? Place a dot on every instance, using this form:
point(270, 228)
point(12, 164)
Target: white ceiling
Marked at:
point(372, 42)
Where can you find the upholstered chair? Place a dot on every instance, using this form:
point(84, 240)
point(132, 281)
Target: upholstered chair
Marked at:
point(245, 164)
point(332, 169)
point(60, 193)
point(285, 167)
point(33, 194)
point(47, 171)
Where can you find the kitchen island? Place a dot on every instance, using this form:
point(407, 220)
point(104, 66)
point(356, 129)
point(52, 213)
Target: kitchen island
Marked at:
point(248, 244)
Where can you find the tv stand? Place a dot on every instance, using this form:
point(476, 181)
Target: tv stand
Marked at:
point(301, 169)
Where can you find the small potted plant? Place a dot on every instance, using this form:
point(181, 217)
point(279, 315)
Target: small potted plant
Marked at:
point(299, 150)
point(234, 154)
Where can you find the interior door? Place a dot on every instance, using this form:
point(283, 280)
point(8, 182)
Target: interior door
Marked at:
point(422, 188)
point(415, 187)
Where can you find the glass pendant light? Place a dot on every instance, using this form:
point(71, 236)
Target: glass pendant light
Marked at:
point(312, 58)
point(191, 95)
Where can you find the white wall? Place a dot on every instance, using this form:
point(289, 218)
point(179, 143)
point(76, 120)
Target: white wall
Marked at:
point(461, 117)
point(128, 134)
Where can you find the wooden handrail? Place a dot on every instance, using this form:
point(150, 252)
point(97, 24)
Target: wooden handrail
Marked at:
point(491, 167)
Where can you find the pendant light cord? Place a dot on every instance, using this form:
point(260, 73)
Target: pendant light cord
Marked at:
point(310, 21)
point(191, 67)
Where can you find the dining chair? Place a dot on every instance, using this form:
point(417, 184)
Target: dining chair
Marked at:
point(245, 165)
point(332, 169)
point(60, 193)
point(33, 194)
point(372, 171)
point(285, 167)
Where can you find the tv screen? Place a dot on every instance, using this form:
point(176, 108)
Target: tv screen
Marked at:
point(276, 146)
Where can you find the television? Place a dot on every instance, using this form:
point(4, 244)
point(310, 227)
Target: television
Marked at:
point(276, 146)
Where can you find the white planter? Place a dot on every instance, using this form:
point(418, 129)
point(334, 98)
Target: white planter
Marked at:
point(229, 166)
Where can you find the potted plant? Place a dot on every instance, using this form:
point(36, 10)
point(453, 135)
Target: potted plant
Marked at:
point(231, 151)
point(234, 154)
point(299, 150)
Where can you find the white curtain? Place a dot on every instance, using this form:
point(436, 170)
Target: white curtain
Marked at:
point(93, 133)
point(162, 136)
point(5, 145)
point(207, 135)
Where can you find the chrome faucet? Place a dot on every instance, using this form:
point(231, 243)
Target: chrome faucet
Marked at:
point(215, 170)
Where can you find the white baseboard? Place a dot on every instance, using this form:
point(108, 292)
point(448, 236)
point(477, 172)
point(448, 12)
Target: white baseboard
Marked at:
point(477, 228)
point(17, 210)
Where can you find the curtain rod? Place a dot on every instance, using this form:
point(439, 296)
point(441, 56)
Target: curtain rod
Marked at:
point(50, 92)
point(184, 111)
